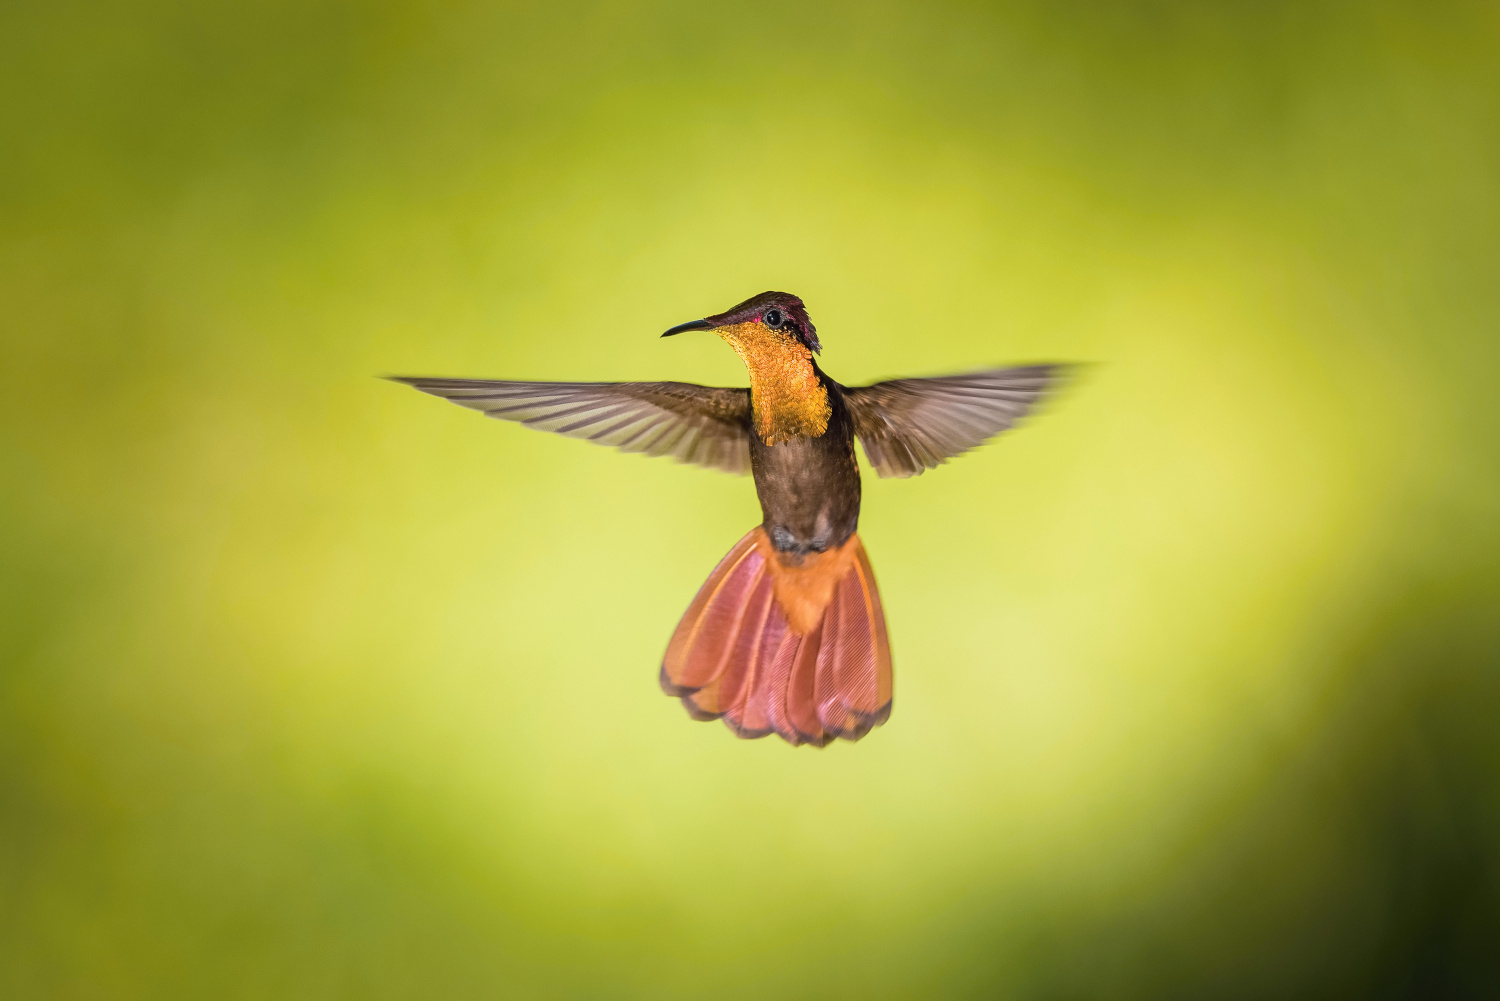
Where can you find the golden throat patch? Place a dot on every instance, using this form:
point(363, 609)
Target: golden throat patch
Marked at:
point(787, 399)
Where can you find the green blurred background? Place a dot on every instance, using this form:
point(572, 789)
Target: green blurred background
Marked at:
point(314, 687)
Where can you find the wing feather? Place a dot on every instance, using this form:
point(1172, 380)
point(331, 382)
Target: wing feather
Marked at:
point(908, 426)
point(700, 424)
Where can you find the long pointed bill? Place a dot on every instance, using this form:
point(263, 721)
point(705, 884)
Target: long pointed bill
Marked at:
point(683, 328)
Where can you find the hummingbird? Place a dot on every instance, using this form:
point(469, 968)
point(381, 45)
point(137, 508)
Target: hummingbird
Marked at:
point(788, 634)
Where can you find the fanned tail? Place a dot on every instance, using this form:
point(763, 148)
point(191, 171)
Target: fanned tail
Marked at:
point(799, 651)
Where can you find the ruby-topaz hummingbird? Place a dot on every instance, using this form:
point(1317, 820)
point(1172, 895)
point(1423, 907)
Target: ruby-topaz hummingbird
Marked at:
point(787, 635)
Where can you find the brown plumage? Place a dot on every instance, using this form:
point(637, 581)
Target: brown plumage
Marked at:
point(787, 635)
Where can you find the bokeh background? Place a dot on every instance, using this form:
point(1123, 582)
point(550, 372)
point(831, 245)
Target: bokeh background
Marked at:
point(314, 687)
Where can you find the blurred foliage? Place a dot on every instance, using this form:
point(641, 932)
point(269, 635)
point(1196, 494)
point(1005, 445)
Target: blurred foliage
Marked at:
point(311, 687)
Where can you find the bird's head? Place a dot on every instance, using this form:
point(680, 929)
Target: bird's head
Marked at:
point(769, 317)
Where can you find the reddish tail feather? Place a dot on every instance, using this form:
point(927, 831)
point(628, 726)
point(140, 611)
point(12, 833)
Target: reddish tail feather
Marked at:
point(798, 650)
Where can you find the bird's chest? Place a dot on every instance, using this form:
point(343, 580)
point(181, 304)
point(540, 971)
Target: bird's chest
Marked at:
point(785, 409)
point(809, 488)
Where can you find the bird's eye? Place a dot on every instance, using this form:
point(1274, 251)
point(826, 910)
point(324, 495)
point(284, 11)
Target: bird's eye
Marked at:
point(773, 318)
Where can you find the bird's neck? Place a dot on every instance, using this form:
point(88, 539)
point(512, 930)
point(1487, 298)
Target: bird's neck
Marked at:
point(787, 399)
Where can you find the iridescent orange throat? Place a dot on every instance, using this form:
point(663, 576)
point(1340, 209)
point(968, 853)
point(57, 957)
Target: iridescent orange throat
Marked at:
point(786, 398)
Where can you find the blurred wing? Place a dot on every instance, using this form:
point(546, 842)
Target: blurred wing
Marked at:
point(911, 425)
point(699, 424)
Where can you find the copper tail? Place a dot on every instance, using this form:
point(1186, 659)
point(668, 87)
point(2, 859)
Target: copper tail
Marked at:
point(800, 651)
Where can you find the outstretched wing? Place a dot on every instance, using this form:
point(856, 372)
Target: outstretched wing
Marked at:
point(911, 425)
point(700, 424)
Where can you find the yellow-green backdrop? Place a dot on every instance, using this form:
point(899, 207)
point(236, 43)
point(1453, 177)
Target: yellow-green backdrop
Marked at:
point(314, 687)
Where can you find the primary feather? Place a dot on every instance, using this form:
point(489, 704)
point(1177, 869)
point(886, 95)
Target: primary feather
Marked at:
point(704, 425)
point(911, 425)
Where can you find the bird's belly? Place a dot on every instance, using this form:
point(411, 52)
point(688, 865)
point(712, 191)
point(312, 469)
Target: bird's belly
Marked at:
point(809, 492)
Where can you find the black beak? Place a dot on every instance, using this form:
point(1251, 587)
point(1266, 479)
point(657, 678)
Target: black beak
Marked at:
point(683, 328)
